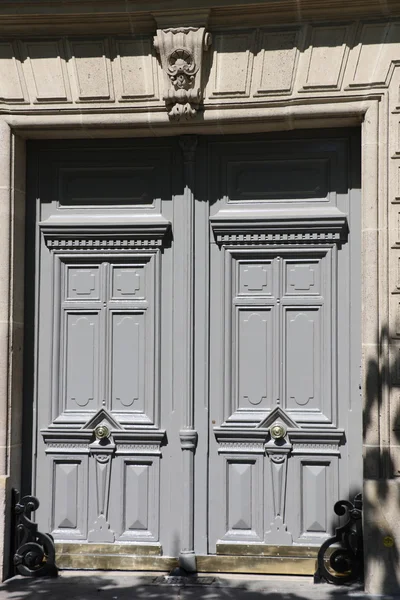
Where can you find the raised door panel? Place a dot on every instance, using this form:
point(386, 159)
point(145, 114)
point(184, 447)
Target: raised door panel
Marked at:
point(136, 490)
point(312, 492)
point(255, 277)
point(128, 282)
point(83, 282)
point(240, 513)
point(302, 277)
point(135, 495)
point(315, 491)
point(68, 493)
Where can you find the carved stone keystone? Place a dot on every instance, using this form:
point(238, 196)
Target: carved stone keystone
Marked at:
point(181, 54)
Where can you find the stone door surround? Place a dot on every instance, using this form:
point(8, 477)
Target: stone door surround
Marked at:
point(250, 79)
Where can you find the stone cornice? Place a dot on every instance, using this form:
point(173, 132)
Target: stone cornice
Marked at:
point(85, 17)
point(250, 68)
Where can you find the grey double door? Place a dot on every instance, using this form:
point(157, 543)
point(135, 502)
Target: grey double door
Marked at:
point(196, 344)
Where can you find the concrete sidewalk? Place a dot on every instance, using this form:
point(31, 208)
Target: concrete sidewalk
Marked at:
point(99, 585)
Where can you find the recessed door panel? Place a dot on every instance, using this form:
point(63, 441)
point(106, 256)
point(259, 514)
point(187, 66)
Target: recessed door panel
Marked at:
point(303, 357)
point(128, 334)
point(254, 357)
point(81, 348)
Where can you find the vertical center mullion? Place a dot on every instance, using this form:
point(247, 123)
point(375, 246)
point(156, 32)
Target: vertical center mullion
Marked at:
point(104, 345)
point(280, 345)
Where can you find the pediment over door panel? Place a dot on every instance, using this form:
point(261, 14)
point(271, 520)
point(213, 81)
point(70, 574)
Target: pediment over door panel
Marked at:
point(119, 234)
point(258, 440)
point(277, 415)
point(267, 227)
point(102, 416)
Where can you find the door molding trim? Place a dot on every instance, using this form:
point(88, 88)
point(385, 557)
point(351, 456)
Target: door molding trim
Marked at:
point(273, 226)
point(147, 232)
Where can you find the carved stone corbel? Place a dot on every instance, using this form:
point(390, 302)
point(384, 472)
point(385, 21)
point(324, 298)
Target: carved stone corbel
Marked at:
point(181, 54)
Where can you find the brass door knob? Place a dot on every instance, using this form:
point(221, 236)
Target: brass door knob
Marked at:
point(277, 431)
point(101, 432)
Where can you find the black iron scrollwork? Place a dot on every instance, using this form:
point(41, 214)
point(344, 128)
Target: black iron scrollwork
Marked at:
point(35, 552)
point(345, 564)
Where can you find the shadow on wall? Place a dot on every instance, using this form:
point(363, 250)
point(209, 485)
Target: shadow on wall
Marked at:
point(381, 470)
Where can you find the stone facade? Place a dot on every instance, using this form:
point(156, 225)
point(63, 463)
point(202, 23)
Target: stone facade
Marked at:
point(98, 73)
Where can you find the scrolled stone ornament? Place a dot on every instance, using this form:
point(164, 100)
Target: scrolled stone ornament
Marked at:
point(35, 552)
point(181, 68)
point(345, 564)
point(181, 55)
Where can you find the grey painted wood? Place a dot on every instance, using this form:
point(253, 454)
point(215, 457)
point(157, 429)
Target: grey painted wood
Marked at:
point(104, 241)
point(196, 295)
point(284, 333)
point(184, 331)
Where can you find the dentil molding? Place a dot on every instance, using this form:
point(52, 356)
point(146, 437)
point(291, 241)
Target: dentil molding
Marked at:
point(181, 53)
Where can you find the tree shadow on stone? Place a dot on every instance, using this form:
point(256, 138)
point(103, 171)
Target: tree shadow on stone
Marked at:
point(381, 488)
point(107, 586)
